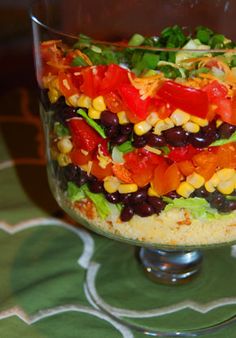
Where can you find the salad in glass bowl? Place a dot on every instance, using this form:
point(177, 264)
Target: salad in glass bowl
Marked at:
point(141, 135)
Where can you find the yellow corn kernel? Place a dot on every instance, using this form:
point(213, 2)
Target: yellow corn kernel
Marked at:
point(123, 119)
point(152, 119)
point(225, 174)
point(73, 100)
point(179, 117)
point(64, 145)
point(185, 189)
point(191, 127)
point(84, 101)
point(111, 184)
point(226, 187)
point(142, 128)
point(152, 192)
point(94, 114)
point(162, 125)
point(63, 160)
point(53, 83)
point(195, 180)
point(127, 188)
point(199, 121)
point(53, 95)
point(218, 123)
point(211, 184)
point(99, 103)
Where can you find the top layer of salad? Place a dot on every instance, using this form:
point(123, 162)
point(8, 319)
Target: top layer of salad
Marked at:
point(142, 128)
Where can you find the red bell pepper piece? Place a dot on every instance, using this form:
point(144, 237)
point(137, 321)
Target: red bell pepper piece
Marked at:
point(193, 101)
point(83, 136)
point(179, 154)
point(132, 99)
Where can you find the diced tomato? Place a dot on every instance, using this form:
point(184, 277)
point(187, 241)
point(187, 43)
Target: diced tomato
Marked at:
point(66, 85)
point(132, 99)
point(186, 167)
point(193, 101)
point(182, 153)
point(141, 164)
point(163, 108)
point(100, 172)
point(101, 80)
point(91, 80)
point(225, 107)
point(166, 178)
point(79, 157)
point(113, 102)
point(215, 91)
point(205, 163)
point(83, 136)
point(114, 76)
point(226, 155)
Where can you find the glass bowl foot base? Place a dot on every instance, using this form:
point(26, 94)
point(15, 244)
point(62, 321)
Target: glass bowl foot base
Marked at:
point(170, 266)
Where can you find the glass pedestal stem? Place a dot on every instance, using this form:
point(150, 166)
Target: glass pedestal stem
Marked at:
point(171, 266)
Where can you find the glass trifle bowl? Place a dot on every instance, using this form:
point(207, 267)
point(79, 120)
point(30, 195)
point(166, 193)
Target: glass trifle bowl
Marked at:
point(138, 104)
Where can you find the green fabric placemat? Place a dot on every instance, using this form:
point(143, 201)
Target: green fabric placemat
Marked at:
point(50, 267)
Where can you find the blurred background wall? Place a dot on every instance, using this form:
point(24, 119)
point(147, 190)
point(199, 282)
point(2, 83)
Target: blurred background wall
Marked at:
point(16, 56)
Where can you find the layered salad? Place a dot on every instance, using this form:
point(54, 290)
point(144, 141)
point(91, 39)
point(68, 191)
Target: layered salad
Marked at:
point(142, 134)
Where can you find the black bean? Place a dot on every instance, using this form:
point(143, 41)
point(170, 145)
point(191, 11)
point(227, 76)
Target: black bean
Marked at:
point(138, 196)
point(172, 194)
point(226, 130)
point(217, 200)
point(125, 198)
point(109, 119)
point(154, 140)
point(71, 172)
point(176, 136)
point(127, 213)
point(139, 141)
point(230, 206)
point(113, 198)
point(126, 129)
point(81, 179)
point(157, 203)
point(204, 137)
point(112, 131)
point(119, 139)
point(96, 186)
point(144, 209)
point(201, 192)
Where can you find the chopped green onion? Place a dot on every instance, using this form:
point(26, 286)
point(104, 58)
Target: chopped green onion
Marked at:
point(125, 147)
point(136, 40)
point(60, 130)
point(78, 61)
point(224, 140)
point(92, 123)
point(231, 198)
point(83, 41)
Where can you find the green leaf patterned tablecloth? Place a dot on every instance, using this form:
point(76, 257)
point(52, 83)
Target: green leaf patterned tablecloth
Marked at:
point(50, 267)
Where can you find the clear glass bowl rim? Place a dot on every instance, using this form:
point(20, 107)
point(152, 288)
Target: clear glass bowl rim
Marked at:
point(39, 22)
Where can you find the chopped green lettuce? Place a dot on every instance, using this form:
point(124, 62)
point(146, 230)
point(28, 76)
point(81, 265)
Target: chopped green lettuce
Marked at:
point(198, 207)
point(76, 193)
point(92, 123)
point(224, 140)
